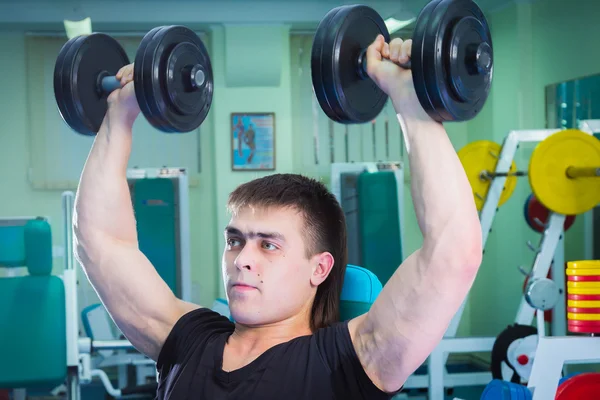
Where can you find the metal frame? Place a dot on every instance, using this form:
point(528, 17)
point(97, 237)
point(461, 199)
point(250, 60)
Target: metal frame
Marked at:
point(358, 167)
point(552, 354)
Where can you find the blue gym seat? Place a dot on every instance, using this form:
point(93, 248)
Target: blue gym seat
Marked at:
point(361, 288)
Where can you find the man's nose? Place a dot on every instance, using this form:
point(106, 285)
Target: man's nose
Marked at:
point(247, 258)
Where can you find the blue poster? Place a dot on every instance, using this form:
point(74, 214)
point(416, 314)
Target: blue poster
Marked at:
point(253, 146)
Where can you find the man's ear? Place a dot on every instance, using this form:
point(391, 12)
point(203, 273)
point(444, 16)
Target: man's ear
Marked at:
point(322, 264)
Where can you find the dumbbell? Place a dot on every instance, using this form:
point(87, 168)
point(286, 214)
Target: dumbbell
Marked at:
point(172, 76)
point(451, 61)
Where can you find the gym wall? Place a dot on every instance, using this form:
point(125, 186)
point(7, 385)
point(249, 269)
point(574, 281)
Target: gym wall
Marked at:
point(535, 44)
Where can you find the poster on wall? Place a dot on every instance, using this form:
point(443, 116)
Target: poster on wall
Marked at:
point(253, 141)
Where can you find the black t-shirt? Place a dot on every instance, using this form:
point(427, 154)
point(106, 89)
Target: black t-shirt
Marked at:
point(323, 365)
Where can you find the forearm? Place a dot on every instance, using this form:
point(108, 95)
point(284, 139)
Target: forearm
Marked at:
point(440, 190)
point(103, 207)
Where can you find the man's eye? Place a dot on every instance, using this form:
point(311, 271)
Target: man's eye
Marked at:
point(233, 242)
point(269, 246)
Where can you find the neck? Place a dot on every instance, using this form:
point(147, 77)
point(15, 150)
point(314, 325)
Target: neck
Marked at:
point(251, 338)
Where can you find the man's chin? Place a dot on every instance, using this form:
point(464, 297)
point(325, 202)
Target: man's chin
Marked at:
point(245, 313)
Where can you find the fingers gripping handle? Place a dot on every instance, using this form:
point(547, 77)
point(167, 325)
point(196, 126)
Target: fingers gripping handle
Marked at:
point(362, 64)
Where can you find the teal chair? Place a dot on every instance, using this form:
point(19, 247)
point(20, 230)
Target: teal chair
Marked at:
point(33, 347)
point(361, 288)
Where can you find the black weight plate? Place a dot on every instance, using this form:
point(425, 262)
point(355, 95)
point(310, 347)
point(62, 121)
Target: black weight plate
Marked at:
point(317, 64)
point(139, 78)
point(81, 103)
point(332, 92)
point(500, 349)
point(61, 100)
point(417, 62)
point(176, 106)
point(345, 95)
point(454, 27)
point(63, 89)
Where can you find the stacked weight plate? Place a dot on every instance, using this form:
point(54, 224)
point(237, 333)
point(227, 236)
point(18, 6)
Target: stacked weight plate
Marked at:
point(583, 296)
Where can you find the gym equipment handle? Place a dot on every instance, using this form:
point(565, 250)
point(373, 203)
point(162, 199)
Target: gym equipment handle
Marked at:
point(197, 77)
point(583, 172)
point(110, 83)
point(492, 175)
point(112, 345)
point(572, 172)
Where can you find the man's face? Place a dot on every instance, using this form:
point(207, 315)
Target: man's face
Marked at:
point(268, 276)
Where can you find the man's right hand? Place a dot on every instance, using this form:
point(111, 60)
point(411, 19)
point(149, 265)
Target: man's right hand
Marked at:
point(384, 62)
point(123, 107)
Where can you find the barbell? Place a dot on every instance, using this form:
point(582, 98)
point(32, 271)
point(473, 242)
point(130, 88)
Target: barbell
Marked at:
point(451, 61)
point(564, 171)
point(173, 79)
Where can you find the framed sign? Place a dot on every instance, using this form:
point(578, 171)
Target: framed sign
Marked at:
point(253, 141)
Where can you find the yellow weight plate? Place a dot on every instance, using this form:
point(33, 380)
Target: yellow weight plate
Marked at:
point(583, 317)
point(580, 290)
point(548, 166)
point(594, 264)
point(589, 285)
point(582, 272)
point(583, 303)
point(481, 156)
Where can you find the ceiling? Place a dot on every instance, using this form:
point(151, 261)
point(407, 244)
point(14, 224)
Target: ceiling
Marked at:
point(142, 15)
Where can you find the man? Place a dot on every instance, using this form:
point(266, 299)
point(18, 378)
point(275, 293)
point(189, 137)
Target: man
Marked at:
point(283, 266)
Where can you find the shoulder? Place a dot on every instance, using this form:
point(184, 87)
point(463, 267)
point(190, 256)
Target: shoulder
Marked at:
point(193, 330)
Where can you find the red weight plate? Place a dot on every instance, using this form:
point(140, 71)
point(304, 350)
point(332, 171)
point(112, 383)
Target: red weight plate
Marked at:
point(583, 328)
point(583, 323)
point(583, 278)
point(537, 215)
point(583, 297)
point(583, 310)
point(584, 386)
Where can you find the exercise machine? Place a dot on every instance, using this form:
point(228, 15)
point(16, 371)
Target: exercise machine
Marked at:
point(371, 195)
point(50, 324)
point(160, 198)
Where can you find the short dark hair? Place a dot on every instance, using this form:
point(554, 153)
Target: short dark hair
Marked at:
point(325, 225)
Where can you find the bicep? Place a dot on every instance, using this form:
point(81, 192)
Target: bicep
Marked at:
point(141, 304)
point(408, 319)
